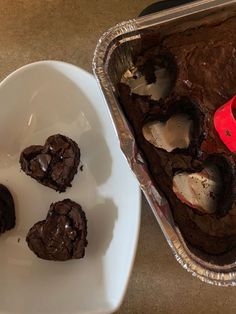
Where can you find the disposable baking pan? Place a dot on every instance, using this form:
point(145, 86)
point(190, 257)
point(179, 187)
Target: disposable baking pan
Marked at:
point(114, 54)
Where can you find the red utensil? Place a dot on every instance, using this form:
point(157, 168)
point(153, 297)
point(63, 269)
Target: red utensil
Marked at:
point(225, 124)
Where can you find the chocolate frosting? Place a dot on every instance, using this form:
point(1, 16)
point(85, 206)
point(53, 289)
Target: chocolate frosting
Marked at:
point(202, 66)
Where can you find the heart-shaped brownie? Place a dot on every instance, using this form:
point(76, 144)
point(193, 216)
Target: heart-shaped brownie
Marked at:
point(62, 236)
point(53, 164)
point(7, 210)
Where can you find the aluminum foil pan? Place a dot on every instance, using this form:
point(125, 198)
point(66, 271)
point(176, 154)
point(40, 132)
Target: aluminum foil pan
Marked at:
point(113, 56)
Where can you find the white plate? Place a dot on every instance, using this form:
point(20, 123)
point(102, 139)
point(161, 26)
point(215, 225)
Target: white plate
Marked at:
point(36, 101)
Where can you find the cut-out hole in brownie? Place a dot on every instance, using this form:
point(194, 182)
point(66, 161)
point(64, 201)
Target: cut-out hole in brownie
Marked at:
point(177, 126)
point(169, 135)
point(210, 190)
point(199, 190)
point(138, 84)
point(153, 78)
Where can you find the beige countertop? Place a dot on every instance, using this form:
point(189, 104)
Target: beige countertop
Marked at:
point(32, 30)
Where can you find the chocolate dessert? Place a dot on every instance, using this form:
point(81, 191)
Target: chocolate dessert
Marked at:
point(187, 77)
point(62, 236)
point(54, 164)
point(7, 210)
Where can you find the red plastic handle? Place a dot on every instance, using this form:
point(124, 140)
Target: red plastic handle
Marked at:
point(225, 124)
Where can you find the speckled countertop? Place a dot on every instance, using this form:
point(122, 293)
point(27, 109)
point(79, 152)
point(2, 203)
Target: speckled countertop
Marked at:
point(32, 30)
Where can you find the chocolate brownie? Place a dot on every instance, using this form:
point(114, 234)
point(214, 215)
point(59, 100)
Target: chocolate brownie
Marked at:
point(201, 64)
point(7, 210)
point(62, 235)
point(53, 164)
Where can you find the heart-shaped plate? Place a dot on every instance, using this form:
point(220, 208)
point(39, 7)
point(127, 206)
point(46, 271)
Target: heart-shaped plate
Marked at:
point(36, 101)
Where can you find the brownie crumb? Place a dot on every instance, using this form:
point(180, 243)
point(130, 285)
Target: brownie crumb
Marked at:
point(227, 132)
